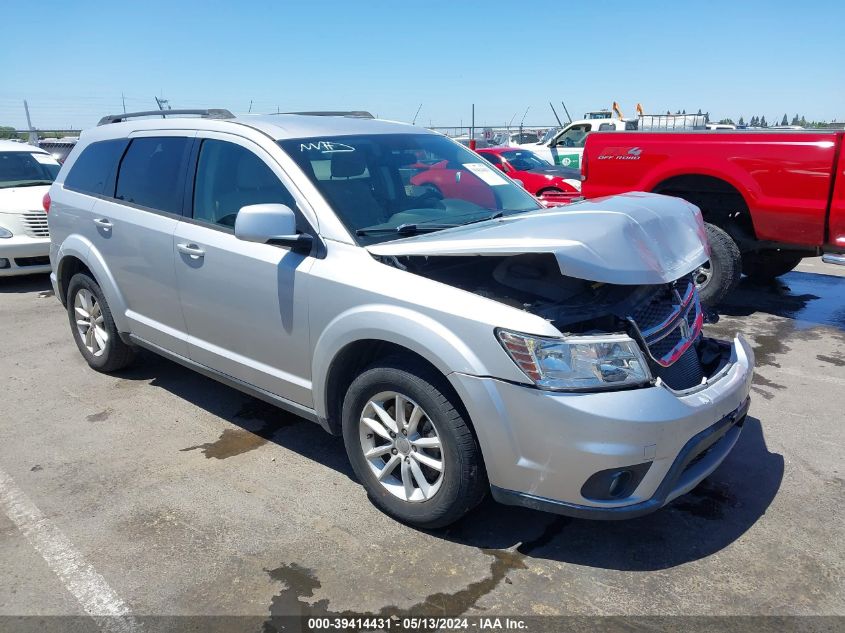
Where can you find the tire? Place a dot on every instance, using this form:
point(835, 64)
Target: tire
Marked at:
point(104, 350)
point(765, 266)
point(461, 482)
point(548, 190)
point(722, 273)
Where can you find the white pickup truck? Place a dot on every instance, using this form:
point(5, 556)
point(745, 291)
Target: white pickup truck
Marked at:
point(566, 147)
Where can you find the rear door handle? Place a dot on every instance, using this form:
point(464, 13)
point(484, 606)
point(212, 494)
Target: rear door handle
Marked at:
point(103, 223)
point(190, 249)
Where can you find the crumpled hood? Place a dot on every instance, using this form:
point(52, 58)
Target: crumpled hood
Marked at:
point(17, 199)
point(629, 239)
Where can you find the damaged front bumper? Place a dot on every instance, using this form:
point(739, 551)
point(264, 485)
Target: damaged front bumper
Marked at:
point(608, 455)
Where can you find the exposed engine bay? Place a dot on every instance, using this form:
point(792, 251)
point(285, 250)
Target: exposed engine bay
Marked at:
point(665, 319)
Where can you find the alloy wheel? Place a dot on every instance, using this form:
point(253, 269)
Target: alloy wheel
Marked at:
point(402, 446)
point(89, 322)
point(703, 275)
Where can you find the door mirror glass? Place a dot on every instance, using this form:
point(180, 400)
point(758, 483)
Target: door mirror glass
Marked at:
point(263, 223)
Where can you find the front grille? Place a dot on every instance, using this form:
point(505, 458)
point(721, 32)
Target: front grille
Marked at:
point(668, 325)
point(35, 223)
point(23, 262)
point(670, 321)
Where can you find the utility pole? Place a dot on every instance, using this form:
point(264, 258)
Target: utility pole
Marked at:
point(522, 122)
point(565, 110)
point(33, 135)
point(555, 113)
point(163, 104)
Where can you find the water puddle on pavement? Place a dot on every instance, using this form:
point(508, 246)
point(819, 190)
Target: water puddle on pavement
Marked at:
point(300, 584)
point(236, 441)
point(800, 304)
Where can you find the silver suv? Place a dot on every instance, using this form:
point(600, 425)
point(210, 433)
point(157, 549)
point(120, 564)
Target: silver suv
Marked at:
point(390, 285)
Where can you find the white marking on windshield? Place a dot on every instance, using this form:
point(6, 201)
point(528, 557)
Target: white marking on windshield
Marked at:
point(325, 147)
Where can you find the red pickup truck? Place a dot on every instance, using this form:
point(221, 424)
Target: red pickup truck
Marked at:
point(768, 198)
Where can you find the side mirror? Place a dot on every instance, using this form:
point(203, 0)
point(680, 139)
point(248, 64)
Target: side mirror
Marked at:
point(271, 224)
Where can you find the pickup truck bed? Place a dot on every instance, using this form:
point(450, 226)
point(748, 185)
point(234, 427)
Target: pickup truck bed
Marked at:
point(770, 198)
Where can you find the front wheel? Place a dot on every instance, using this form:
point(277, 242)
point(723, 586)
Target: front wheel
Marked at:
point(717, 277)
point(410, 446)
point(764, 266)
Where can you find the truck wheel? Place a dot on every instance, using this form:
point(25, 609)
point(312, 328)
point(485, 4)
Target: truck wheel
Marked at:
point(93, 328)
point(716, 278)
point(766, 265)
point(410, 446)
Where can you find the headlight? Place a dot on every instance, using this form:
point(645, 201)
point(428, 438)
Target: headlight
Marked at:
point(5, 233)
point(577, 363)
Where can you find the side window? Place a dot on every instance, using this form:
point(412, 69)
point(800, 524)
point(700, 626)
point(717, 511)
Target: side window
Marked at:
point(95, 167)
point(152, 173)
point(230, 177)
point(493, 158)
point(604, 127)
point(573, 137)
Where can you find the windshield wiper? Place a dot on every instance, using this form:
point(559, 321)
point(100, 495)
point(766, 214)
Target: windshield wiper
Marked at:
point(406, 229)
point(493, 216)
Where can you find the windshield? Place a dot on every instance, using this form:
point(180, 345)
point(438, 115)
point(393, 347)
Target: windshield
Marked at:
point(27, 169)
point(59, 150)
point(523, 160)
point(389, 185)
point(549, 135)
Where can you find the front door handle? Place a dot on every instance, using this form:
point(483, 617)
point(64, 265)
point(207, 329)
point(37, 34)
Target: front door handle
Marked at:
point(103, 223)
point(190, 249)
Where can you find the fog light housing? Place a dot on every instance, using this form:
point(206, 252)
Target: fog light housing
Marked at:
point(614, 483)
point(4, 263)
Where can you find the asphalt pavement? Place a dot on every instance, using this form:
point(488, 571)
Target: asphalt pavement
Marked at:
point(158, 492)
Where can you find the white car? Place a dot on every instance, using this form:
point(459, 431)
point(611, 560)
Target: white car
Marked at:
point(26, 173)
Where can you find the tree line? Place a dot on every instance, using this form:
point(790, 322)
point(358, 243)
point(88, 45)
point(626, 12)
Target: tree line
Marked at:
point(760, 121)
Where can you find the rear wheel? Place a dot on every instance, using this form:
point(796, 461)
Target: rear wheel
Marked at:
point(766, 265)
point(717, 277)
point(93, 328)
point(410, 446)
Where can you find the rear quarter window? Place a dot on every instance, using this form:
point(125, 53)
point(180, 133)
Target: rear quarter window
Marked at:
point(152, 173)
point(95, 167)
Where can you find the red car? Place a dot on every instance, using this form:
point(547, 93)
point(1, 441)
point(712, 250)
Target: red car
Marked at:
point(551, 183)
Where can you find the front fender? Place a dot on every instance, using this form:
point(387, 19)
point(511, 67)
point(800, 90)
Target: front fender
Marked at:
point(423, 335)
point(83, 250)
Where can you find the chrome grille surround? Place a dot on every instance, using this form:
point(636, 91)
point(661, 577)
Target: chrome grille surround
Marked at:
point(670, 322)
point(35, 223)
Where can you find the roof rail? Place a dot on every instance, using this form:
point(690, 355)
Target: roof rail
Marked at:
point(206, 114)
point(353, 114)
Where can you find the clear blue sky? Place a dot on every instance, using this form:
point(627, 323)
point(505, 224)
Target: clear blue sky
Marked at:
point(731, 58)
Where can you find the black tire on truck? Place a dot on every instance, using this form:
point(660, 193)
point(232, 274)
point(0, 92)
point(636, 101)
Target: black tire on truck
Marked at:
point(722, 273)
point(764, 266)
